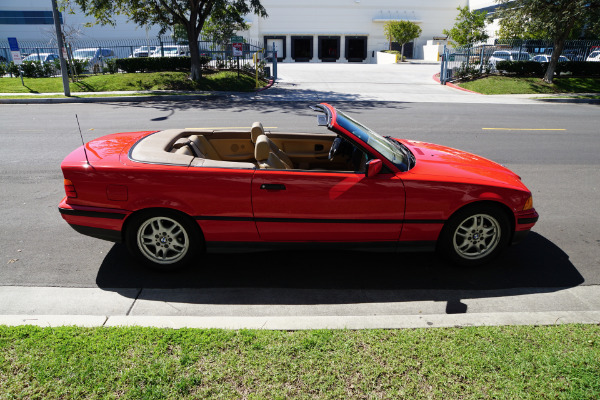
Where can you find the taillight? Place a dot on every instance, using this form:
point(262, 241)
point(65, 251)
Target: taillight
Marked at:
point(70, 189)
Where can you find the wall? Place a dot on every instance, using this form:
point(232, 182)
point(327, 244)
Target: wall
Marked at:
point(351, 18)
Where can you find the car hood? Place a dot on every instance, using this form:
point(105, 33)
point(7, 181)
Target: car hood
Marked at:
point(448, 164)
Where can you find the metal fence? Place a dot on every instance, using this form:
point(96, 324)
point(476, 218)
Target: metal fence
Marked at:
point(221, 55)
point(457, 61)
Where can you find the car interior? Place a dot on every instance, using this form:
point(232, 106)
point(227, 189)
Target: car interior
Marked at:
point(251, 149)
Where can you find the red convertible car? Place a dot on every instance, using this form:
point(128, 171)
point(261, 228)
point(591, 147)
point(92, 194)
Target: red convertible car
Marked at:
point(174, 194)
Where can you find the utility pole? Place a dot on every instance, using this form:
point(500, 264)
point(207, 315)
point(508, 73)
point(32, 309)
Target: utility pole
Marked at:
point(61, 49)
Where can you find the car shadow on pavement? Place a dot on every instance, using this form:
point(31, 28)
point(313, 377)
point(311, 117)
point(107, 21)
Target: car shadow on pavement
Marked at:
point(310, 277)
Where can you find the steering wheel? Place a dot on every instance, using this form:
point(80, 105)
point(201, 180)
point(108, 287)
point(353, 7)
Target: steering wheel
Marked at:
point(334, 147)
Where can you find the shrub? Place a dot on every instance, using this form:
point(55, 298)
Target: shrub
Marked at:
point(13, 69)
point(399, 54)
point(155, 64)
point(111, 67)
point(79, 65)
point(34, 69)
point(521, 68)
point(3, 70)
point(532, 68)
point(581, 68)
point(466, 71)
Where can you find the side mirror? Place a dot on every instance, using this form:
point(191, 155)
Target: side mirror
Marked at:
point(373, 167)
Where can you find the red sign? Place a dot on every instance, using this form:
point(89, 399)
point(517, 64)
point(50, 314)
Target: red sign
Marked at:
point(238, 49)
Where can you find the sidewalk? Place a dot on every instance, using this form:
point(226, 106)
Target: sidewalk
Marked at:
point(229, 308)
point(310, 82)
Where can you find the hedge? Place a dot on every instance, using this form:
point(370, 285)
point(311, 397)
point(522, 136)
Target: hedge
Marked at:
point(533, 68)
point(155, 64)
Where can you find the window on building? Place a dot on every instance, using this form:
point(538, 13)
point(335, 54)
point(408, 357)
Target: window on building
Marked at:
point(27, 18)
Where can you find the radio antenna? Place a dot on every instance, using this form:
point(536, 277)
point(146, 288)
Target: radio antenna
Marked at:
point(82, 141)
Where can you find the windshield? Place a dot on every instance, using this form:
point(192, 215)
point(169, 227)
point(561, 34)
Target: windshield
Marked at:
point(520, 56)
point(84, 53)
point(384, 146)
point(34, 57)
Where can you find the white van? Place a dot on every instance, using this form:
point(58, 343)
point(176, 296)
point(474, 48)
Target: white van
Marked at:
point(95, 56)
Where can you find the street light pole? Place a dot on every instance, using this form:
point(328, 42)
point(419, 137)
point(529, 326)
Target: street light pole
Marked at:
point(59, 40)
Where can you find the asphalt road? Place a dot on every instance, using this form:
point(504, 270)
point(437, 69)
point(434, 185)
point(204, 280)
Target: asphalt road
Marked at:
point(561, 167)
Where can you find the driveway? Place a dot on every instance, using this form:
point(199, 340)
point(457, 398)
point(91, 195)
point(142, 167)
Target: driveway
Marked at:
point(406, 82)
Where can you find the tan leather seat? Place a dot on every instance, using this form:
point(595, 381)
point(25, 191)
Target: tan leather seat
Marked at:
point(265, 157)
point(183, 146)
point(258, 130)
point(202, 146)
point(184, 150)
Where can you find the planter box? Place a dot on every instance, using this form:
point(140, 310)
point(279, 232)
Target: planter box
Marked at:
point(386, 58)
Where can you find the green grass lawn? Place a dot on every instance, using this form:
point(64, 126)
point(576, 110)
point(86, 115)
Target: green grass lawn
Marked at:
point(510, 85)
point(218, 81)
point(548, 362)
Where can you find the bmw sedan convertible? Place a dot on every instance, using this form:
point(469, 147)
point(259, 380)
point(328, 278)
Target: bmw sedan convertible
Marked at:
point(172, 195)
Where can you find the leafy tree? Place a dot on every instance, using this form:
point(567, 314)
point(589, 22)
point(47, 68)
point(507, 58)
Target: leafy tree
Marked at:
point(191, 14)
point(469, 27)
point(514, 28)
point(511, 28)
point(223, 24)
point(557, 18)
point(180, 34)
point(401, 32)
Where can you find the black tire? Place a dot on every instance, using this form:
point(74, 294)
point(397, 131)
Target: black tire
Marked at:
point(475, 235)
point(164, 240)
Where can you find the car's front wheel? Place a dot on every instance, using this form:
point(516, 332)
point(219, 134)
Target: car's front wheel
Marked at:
point(163, 239)
point(475, 235)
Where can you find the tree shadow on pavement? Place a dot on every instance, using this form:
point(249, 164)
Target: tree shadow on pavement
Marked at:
point(536, 265)
point(263, 104)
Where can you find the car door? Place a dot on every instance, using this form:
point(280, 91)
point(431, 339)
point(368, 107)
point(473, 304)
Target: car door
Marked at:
point(327, 206)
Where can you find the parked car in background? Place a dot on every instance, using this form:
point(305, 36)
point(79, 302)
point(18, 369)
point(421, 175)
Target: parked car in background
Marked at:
point(547, 57)
point(508, 55)
point(96, 57)
point(144, 51)
point(574, 54)
point(171, 51)
point(594, 56)
point(41, 57)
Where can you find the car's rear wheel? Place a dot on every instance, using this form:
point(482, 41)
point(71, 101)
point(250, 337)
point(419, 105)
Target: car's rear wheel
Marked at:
point(475, 235)
point(163, 239)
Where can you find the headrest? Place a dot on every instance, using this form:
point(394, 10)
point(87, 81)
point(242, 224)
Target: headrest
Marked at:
point(256, 131)
point(262, 148)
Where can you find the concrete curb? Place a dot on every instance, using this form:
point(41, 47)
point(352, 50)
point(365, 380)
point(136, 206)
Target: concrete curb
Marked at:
point(269, 85)
point(436, 78)
point(131, 99)
point(568, 101)
point(310, 322)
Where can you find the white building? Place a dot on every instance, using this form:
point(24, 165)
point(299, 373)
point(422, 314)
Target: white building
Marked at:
point(306, 31)
point(345, 30)
point(31, 20)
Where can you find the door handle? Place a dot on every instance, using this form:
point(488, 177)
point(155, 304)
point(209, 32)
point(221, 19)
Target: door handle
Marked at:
point(272, 186)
